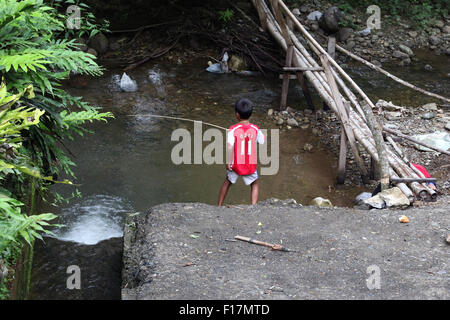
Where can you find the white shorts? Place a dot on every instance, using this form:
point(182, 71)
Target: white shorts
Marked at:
point(248, 179)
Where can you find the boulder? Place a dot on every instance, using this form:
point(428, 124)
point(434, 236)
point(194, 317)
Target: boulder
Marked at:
point(344, 34)
point(406, 50)
point(321, 202)
point(99, 42)
point(399, 55)
point(430, 106)
point(92, 51)
point(375, 202)
point(329, 21)
point(292, 122)
point(393, 197)
point(236, 63)
point(434, 41)
point(428, 115)
point(81, 44)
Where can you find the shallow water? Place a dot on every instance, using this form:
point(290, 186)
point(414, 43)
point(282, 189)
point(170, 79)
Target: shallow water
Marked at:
point(126, 166)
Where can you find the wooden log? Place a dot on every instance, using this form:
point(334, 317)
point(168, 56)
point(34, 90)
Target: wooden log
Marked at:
point(305, 90)
point(342, 112)
point(407, 180)
point(285, 86)
point(397, 79)
point(331, 46)
point(291, 76)
point(342, 157)
point(401, 135)
point(302, 69)
point(377, 135)
point(316, 46)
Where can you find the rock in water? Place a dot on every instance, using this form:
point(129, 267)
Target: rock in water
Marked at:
point(321, 202)
point(329, 21)
point(406, 50)
point(237, 63)
point(99, 42)
point(126, 84)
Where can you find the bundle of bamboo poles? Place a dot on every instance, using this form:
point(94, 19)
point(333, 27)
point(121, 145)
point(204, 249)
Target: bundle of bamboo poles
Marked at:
point(357, 119)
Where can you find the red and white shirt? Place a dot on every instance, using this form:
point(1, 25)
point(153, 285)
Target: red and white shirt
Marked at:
point(243, 136)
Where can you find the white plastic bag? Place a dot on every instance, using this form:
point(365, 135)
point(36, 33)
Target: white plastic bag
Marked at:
point(126, 84)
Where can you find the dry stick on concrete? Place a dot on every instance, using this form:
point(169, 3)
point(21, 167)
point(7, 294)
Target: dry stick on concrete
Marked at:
point(277, 247)
point(398, 134)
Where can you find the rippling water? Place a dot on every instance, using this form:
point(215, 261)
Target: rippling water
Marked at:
point(93, 219)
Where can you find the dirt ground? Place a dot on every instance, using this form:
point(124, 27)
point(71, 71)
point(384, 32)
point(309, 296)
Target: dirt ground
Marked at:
point(186, 251)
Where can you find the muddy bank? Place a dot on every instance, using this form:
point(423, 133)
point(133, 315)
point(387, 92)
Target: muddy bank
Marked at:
point(182, 251)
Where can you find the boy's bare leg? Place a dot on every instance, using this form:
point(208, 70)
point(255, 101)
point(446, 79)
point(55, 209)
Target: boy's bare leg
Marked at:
point(254, 192)
point(224, 190)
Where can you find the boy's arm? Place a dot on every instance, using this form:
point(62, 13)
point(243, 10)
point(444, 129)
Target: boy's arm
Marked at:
point(260, 137)
point(230, 150)
point(230, 156)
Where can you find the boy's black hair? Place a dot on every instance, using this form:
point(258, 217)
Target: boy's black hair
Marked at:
point(244, 107)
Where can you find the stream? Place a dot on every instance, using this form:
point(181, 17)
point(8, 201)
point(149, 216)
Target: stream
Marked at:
point(125, 166)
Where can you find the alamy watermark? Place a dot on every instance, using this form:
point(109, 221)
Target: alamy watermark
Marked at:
point(374, 21)
point(189, 150)
point(74, 280)
point(374, 280)
point(74, 20)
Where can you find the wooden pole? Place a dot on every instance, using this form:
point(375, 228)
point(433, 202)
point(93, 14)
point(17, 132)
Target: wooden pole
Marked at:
point(413, 179)
point(342, 112)
point(397, 79)
point(285, 86)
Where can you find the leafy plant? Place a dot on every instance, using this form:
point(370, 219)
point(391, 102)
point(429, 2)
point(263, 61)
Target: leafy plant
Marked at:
point(226, 15)
point(36, 113)
point(89, 26)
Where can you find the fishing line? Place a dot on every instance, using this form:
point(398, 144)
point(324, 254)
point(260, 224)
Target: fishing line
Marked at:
point(177, 118)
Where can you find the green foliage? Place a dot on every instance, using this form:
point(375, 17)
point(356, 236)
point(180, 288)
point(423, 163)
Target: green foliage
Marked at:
point(36, 114)
point(226, 15)
point(16, 226)
point(88, 23)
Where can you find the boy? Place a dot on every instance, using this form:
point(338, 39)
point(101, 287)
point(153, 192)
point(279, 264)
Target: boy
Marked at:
point(241, 151)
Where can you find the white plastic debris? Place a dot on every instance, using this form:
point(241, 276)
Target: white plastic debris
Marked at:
point(214, 68)
point(315, 15)
point(364, 32)
point(436, 139)
point(127, 84)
